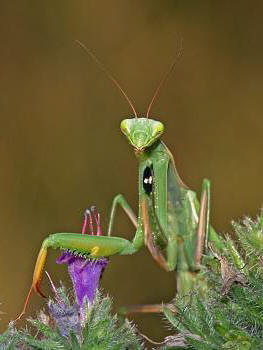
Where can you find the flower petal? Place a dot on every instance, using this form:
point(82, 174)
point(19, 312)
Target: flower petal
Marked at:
point(85, 275)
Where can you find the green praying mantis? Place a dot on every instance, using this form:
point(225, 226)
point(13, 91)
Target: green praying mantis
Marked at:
point(170, 218)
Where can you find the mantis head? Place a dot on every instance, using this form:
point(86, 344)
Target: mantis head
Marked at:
point(141, 132)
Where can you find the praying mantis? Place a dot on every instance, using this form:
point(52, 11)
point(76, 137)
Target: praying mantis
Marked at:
point(169, 219)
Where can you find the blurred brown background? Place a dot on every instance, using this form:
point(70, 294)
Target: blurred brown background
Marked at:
point(60, 145)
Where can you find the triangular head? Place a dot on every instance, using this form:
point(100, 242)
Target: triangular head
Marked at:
point(142, 132)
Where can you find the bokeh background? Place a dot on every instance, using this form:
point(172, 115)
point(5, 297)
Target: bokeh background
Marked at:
point(61, 149)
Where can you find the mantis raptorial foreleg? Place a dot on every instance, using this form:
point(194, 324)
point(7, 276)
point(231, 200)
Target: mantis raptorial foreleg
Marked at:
point(154, 250)
point(185, 278)
point(168, 263)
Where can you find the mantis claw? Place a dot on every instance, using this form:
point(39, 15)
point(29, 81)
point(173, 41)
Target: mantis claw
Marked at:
point(36, 288)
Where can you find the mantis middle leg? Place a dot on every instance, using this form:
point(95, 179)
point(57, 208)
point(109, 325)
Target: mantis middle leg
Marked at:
point(120, 200)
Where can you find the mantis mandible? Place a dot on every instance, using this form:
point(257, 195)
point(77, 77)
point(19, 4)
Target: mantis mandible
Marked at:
point(170, 217)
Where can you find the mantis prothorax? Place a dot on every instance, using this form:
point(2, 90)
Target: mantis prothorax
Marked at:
point(170, 217)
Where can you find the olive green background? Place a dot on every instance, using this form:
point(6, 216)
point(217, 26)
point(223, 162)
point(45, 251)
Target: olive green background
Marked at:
point(61, 149)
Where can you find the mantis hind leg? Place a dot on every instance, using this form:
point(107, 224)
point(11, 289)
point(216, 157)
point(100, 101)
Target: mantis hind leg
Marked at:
point(120, 200)
point(202, 233)
point(145, 308)
point(189, 264)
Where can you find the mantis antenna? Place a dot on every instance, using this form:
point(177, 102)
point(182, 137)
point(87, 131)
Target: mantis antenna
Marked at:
point(109, 75)
point(165, 77)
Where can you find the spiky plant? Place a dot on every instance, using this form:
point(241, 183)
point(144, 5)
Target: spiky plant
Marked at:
point(230, 314)
point(63, 328)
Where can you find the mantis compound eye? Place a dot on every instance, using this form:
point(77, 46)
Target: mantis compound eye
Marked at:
point(148, 180)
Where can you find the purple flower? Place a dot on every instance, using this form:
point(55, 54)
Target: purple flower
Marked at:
point(85, 273)
point(66, 317)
